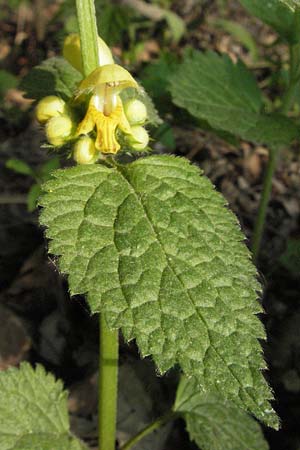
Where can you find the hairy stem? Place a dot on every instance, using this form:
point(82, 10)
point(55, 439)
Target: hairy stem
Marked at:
point(109, 344)
point(108, 386)
point(86, 15)
point(264, 201)
point(171, 415)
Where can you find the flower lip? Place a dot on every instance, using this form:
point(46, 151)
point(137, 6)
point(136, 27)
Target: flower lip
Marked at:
point(113, 75)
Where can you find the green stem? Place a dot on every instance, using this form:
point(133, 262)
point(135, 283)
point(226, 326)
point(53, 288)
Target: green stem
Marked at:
point(109, 344)
point(264, 201)
point(108, 386)
point(294, 76)
point(171, 415)
point(288, 97)
point(293, 79)
point(86, 16)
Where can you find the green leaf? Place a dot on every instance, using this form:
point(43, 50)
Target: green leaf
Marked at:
point(279, 14)
point(211, 87)
point(155, 76)
point(155, 249)
point(113, 21)
point(7, 81)
point(32, 197)
point(165, 135)
point(176, 24)
point(48, 167)
point(19, 166)
point(33, 411)
point(241, 34)
point(55, 76)
point(214, 424)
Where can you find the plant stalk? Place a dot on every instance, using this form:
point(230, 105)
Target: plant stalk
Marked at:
point(86, 15)
point(171, 415)
point(108, 385)
point(109, 343)
point(288, 97)
point(294, 77)
point(264, 201)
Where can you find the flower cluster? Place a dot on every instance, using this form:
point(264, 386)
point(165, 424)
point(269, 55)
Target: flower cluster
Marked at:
point(96, 121)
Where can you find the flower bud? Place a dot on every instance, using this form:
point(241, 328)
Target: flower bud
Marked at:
point(85, 151)
point(135, 111)
point(72, 52)
point(139, 138)
point(59, 129)
point(50, 106)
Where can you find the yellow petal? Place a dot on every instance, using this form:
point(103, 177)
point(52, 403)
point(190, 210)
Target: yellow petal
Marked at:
point(113, 74)
point(87, 124)
point(72, 52)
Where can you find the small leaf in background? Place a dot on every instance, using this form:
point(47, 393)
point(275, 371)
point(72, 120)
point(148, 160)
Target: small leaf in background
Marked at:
point(32, 197)
point(291, 257)
point(7, 81)
point(214, 424)
point(164, 134)
point(113, 21)
point(174, 273)
point(33, 408)
point(241, 34)
point(48, 167)
point(19, 166)
point(212, 88)
point(155, 79)
point(176, 25)
point(279, 14)
point(55, 76)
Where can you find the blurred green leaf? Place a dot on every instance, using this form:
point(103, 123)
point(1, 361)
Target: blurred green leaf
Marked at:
point(176, 25)
point(48, 167)
point(155, 79)
point(165, 135)
point(19, 166)
point(55, 76)
point(241, 34)
point(113, 21)
point(279, 14)
point(32, 197)
point(7, 81)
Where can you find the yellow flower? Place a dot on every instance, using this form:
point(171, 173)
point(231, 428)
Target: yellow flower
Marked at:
point(105, 110)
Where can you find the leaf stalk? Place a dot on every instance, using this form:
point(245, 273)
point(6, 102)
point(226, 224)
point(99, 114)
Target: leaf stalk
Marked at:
point(86, 15)
point(158, 423)
point(264, 201)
